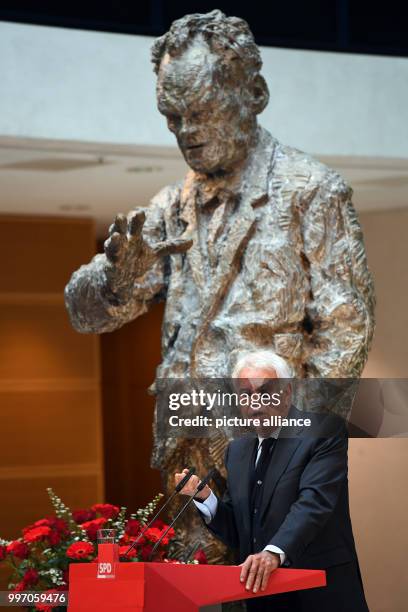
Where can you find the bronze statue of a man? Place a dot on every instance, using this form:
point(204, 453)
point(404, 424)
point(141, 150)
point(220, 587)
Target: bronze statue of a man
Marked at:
point(258, 247)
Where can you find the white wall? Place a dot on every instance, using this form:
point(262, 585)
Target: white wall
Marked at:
point(90, 86)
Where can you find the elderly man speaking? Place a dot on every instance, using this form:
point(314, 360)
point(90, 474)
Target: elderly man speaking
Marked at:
point(286, 502)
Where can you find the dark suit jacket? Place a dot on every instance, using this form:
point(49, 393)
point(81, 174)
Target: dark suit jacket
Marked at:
point(305, 506)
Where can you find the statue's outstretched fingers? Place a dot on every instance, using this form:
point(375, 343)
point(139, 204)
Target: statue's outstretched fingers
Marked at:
point(169, 247)
point(121, 223)
point(113, 246)
point(136, 221)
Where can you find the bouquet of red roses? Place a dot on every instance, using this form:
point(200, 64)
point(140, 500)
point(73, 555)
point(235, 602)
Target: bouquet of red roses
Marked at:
point(39, 559)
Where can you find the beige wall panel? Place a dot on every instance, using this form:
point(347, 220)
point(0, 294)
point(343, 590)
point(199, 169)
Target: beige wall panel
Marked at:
point(379, 502)
point(50, 421)
point(386, 239)
point(44, 428)
point(27, 499)
point(42, 253)
point(37, 341)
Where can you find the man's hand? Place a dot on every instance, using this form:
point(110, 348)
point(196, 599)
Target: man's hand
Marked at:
point(257, 568)
point(191, 486)
point(129, 256)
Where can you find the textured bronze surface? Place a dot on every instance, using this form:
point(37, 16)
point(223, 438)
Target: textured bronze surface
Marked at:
point(258, 247)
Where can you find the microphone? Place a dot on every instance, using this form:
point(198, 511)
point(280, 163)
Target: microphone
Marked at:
point(184, 481)
point(199, 488)
point(177, 490)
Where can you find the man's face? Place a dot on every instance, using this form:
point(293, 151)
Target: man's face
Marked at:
point(211, 122)
point(257, 382)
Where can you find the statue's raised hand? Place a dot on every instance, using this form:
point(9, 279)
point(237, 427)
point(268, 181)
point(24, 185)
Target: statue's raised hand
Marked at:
point(129, 256)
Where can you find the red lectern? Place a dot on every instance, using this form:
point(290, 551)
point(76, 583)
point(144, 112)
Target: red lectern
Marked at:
point(157, 587)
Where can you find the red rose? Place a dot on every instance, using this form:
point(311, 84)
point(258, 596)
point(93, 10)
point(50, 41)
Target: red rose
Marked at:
point(145, 552)
point(54, 538)
point(42, 523)
point(171, 533)
point(133, 527)
point(36, 533)
point(80, 550)
point(122, 552)
point(126, 540)
point(108, 511)
point(18, 549)
point(30, 577)
point(201, 557)
point(153, 534)
point(82, 516)
point(45, 607)
point(3, 552)
point(20, 586)
point(159, 524)
point(59, 525)
point(92, 527)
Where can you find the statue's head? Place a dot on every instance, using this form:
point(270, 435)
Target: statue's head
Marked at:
point(210, 89)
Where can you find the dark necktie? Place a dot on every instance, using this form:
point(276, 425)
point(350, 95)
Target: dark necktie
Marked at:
point(262, 463)
point(256, 494)
point(259, 470)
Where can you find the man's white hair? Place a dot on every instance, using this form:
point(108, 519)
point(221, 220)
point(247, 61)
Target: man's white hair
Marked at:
point(262, 359)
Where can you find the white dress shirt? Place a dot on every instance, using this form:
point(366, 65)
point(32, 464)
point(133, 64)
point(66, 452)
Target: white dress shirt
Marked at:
point(208, 507)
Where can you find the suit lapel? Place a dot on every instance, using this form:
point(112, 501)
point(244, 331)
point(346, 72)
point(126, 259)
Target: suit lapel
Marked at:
point(281, 456)
point(236, 240)
point(189, 216)
point(216, 229)
point(243, 475)
point(285, 448)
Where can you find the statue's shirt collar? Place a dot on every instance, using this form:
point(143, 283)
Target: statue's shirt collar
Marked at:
point(250, 179)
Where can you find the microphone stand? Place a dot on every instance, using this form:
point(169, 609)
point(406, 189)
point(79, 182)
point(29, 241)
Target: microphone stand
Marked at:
point(177, 490)
point(199, 488)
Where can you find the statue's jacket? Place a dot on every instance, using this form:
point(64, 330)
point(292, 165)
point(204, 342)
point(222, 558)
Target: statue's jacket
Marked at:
point(277, 262)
